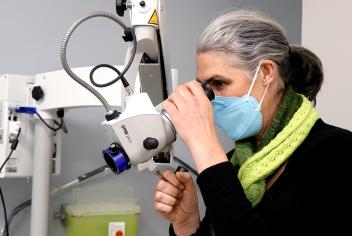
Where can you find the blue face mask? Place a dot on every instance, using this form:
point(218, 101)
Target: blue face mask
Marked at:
point(239, 117)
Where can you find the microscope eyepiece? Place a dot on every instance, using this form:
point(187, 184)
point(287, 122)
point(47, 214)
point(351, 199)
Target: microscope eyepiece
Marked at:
point(207, 89)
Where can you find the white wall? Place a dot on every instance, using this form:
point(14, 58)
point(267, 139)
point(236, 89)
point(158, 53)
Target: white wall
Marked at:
point(30, 38)
point(327, 31)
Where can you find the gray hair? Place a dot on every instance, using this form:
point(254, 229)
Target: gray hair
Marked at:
point(248, 37)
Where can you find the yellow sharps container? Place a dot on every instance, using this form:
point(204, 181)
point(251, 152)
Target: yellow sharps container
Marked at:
point(111, 217)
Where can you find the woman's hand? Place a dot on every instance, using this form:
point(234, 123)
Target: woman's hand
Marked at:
point(176, 200)
point(191, 113)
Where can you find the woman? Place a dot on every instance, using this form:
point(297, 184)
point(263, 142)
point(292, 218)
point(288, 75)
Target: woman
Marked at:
point(288, 172)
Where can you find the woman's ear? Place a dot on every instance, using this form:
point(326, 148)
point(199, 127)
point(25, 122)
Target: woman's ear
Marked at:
point(268, 71)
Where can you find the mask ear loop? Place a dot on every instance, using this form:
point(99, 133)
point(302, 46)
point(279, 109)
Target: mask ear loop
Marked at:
point(261, 100)
point(252, 84)
point(251, 87)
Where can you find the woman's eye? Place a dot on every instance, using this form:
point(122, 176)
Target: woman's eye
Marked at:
point(218, 84)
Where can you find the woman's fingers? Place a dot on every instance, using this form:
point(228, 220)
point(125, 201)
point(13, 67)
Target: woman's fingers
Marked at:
point(179, 97)
point(172, 179)
point(167, 188)
point(182, 97)
point(186, 179)
point(195, 88)
point(167, 193)
point(184, 93)
point(161, 207)
point(163, 198)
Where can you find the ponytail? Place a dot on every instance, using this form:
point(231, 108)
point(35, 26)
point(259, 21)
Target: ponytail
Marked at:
point(305, 72)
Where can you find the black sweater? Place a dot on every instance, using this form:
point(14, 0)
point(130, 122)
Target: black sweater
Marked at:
point(311, 196)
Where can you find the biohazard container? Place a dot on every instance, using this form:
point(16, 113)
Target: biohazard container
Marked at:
point(104, 216)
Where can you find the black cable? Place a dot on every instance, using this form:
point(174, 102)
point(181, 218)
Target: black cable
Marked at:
point(47, 125)
point(129, 36)
point(13, 148)
point(120, 76)
point(14, 212)
point(4, 163)
point(5, 214)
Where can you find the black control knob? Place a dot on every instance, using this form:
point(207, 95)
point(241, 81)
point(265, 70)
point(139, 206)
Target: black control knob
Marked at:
point(142, 3)
point(150, 143)
point(114, 148)
point(37, 93)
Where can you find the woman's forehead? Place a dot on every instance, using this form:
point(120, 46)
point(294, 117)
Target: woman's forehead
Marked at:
point(216, 65)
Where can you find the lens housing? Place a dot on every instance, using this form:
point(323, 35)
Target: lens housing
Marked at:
point(116, 158)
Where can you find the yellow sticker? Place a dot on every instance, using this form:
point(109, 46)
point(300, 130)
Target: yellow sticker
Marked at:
point(154, 18)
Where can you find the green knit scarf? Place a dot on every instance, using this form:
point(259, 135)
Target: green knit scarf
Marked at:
point(292, 123)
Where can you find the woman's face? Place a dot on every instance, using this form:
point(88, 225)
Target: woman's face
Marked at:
point(224, 79)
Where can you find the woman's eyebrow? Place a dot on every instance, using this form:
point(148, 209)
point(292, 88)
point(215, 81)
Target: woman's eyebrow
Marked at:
point(216, 77)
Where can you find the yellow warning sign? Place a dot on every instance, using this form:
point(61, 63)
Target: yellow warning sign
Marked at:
point(154, 18)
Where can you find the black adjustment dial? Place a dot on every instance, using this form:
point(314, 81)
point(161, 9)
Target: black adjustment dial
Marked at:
point(37, 93)
point(150, 143)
